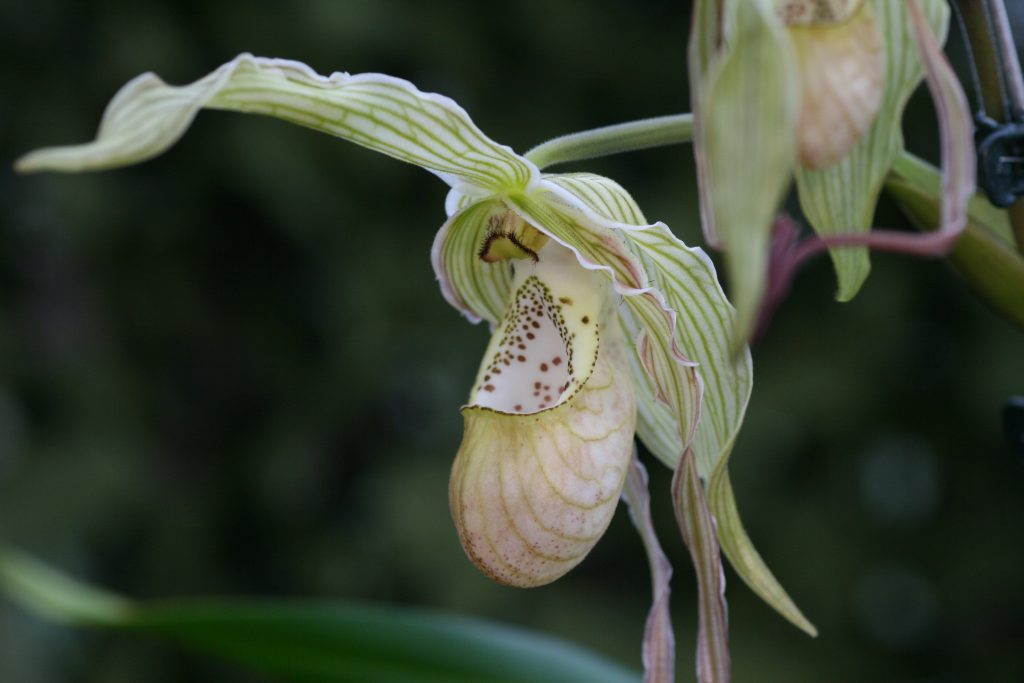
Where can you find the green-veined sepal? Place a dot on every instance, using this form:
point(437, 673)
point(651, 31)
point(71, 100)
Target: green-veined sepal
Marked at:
point(381, 112)
point(685, 279)
point(748, 111)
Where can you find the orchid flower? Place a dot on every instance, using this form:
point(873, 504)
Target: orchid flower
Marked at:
point(604, 326)
point(814, 90)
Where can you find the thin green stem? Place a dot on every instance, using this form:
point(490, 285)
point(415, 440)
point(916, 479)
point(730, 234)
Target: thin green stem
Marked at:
point(984, 255)
point(624, 137)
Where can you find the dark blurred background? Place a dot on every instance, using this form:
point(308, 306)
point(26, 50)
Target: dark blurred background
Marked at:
point(229, 371)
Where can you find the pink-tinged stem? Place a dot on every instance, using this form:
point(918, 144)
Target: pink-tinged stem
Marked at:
point(698, 527)
point(659, 648)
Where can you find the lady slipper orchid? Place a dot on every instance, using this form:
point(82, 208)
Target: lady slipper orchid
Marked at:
point(604, 325)
point(814, 90)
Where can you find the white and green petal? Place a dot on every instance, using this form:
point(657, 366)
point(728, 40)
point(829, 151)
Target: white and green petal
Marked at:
point(685, 281)
point(383, 113)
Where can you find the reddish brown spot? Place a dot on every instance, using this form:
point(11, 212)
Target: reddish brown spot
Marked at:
point(522, 347)
point(529, 335)
point(536, 385)
point(557, 360)
point(543, 367)
point(489, 387)
point(521, 359)
point(543, 406)
point(547, 398)
point(536, 324)
point(517, 407)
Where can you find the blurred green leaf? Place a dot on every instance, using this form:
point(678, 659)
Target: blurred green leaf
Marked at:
point(319, 641)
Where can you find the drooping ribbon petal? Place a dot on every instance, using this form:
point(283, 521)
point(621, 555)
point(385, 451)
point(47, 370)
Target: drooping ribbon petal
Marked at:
point(714, 664)
point(841, 198)
point(381, 112)
point(549, 429)
point(748, 101)
point(659, 647)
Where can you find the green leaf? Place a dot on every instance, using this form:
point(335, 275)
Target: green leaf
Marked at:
point(319, 642)
point(386, 114)
point(841, 198)
point(344, 643)
point(747, 130)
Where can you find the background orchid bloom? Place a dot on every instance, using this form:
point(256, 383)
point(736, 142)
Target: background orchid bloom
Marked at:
point(631, 325)
point(815, 89)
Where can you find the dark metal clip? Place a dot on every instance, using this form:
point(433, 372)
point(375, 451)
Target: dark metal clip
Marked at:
point(1000, 160)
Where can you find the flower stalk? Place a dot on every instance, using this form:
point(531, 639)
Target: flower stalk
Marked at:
point(632, 136)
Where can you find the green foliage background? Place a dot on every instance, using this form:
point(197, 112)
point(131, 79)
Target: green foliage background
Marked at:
point(229, 372)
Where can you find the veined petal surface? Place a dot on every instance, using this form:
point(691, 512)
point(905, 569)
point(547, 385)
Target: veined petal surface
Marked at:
point(685, 279)
point(599, 226)
point(549, 429)
point(841, 198)
point(842, 80)
point(384, 113)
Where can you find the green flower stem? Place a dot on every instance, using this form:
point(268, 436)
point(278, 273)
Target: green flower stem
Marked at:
point(983, 256)
point(660, 131)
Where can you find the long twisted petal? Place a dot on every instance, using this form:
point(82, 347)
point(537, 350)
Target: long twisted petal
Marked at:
point(386, 114)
